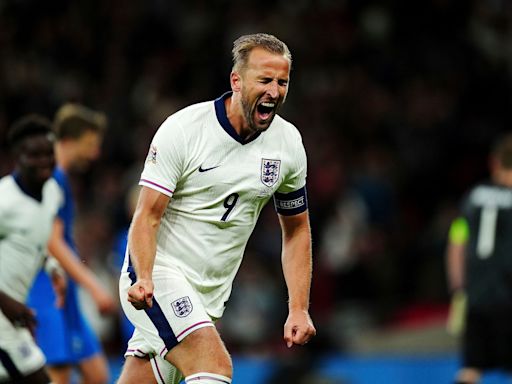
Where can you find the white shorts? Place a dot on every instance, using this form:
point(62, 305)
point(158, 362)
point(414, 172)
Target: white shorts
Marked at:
point(164, 372)
point(19, 354)
point(177, 311)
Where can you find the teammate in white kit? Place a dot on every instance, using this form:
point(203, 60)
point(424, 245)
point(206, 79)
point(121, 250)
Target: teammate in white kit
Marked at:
point(29, 201)
point(210, 170)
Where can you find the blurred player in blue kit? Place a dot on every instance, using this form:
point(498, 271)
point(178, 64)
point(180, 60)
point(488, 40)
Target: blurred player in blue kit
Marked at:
point(29, 201)
point(480, 268)
point(210, 170)
point(64, 333)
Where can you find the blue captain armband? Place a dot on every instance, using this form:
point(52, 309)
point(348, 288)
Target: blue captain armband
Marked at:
point(292, 203)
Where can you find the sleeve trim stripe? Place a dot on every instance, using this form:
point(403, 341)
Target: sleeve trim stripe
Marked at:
point(158, 187)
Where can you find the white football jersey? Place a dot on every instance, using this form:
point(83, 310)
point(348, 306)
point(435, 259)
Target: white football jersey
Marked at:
point(25, 227)
point(219, 186)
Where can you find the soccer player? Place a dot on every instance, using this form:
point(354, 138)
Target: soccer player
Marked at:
point(210, 170)
point(63, 333)
point(29, 201)
point(480, 264)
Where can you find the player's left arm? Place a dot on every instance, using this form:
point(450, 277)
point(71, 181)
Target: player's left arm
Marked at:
point(458, 237)
point(297, 269)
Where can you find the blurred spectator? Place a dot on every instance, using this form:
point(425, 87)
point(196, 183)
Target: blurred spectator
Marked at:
point(398, 111)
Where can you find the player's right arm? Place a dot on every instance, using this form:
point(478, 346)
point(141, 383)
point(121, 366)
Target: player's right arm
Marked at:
point(142, 244)
point(70, 262)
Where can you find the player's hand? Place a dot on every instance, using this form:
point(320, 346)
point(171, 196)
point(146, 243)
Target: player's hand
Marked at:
point(104, 301)
point(60, 286)
point(18, 313)
point(299, 328)
point(140, 294)
point(456, 320)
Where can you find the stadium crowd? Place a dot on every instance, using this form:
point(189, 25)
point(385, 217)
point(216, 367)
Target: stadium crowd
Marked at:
point(397, 103)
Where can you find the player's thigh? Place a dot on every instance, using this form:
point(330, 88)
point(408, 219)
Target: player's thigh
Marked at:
point(38, 377)
point(137, 370)
point(201, 351)
point(94, 370)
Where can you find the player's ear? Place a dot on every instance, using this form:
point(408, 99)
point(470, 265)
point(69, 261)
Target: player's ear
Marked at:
point(236, 81)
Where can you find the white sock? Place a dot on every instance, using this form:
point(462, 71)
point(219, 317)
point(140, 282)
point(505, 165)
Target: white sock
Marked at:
point(207, 378)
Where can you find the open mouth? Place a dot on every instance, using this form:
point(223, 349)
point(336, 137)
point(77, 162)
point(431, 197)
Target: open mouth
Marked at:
point(265, 110)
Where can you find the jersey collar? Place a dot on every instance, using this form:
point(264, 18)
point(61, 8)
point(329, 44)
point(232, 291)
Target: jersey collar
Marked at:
point(222, 117)
point(17, 178)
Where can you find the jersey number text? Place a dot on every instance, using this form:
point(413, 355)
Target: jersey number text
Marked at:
point(229, 204)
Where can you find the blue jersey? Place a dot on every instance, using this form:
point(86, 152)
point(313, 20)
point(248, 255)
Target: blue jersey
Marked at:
point(67, 210)
point(62, 333)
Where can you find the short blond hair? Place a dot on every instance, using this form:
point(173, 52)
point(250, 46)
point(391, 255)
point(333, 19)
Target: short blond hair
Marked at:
point(246, 43)
point(72, 120)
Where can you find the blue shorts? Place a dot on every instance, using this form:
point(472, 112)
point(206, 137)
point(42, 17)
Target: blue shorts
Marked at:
point(63, 334)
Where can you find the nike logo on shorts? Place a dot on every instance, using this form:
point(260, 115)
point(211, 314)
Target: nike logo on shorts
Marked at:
point(201, 169)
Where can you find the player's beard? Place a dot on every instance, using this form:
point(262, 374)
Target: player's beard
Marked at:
point(249, 112)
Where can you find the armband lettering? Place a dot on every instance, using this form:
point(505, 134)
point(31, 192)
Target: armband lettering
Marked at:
point(292, 203)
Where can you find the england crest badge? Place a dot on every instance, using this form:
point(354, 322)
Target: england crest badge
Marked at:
point(270, 171)
point(182, 307)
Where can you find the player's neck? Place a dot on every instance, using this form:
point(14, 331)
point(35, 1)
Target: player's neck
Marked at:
point(236, 118)
point(63, 156)
point(27, 185)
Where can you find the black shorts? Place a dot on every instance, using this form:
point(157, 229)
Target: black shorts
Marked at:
point(487, 341)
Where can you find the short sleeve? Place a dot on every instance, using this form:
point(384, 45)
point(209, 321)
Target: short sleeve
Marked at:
point(291, 197)
point(164, 163)
point(295, 178)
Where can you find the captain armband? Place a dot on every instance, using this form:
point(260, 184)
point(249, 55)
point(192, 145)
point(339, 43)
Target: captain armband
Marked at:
point(292, 203)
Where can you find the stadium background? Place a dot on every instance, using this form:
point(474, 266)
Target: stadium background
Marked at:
point(397, 102)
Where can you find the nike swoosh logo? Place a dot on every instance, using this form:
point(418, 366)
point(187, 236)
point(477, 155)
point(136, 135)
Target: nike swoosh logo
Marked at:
point(201, 169)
